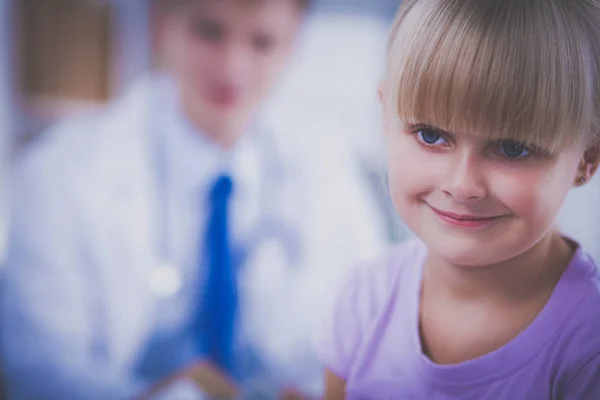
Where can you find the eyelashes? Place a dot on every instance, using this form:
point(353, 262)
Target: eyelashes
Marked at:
point(509, 149)
point(513, 150)
point(430, 137)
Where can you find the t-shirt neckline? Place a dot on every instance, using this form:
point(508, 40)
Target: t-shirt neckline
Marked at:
point(516, 353)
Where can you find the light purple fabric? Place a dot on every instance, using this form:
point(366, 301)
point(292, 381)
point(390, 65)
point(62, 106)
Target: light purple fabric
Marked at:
point(372, 340)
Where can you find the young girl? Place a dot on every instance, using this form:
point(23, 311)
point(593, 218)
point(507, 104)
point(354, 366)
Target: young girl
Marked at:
point(492, 114)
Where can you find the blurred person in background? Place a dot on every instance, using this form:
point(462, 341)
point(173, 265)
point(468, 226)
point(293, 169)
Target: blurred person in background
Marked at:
point(172, 246)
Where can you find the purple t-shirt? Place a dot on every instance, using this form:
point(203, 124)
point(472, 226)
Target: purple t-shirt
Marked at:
point(372, 340)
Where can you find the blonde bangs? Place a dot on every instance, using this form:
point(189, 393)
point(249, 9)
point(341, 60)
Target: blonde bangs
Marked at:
point(501, 69)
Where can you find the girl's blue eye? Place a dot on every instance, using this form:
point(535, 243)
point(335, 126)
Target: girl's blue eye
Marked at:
point(430, 137)
point(513, 149)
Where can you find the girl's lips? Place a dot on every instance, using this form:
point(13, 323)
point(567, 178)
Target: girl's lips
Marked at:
point(464, 220)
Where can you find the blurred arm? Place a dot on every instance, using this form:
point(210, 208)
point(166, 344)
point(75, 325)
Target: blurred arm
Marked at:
point(48, 325)
point(341, 226)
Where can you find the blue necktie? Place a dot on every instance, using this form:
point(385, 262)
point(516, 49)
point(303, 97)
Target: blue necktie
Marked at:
point(220, 298)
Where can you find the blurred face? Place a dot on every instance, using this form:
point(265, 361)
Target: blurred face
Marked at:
point(474, 201)
point(225, 54)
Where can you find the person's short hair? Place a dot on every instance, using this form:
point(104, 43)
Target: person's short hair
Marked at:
point(526, 70)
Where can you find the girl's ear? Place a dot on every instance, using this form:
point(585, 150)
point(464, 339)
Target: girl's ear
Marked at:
point(588, 165)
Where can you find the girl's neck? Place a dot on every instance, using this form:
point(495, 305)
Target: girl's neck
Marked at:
point(515, 280)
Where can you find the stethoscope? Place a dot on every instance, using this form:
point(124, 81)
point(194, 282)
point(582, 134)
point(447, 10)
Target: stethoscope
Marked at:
point(274, 226)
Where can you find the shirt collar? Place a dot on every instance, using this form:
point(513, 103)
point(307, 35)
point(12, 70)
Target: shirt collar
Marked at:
point(196, 161)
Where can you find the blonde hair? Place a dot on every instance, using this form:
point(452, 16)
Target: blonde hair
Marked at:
point(521, 69)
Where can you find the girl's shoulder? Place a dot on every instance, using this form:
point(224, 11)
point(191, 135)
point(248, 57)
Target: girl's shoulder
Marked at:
point(380, 276)
point(363, 300)
point(577, 343)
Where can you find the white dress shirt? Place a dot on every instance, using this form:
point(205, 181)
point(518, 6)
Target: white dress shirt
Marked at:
point(190, 163)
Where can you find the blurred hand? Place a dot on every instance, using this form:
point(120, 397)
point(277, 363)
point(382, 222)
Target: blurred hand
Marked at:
point(209, 379)
point(212, 381)
point(292, 394)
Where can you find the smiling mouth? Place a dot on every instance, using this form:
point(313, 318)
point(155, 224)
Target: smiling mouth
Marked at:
point(464, 220)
